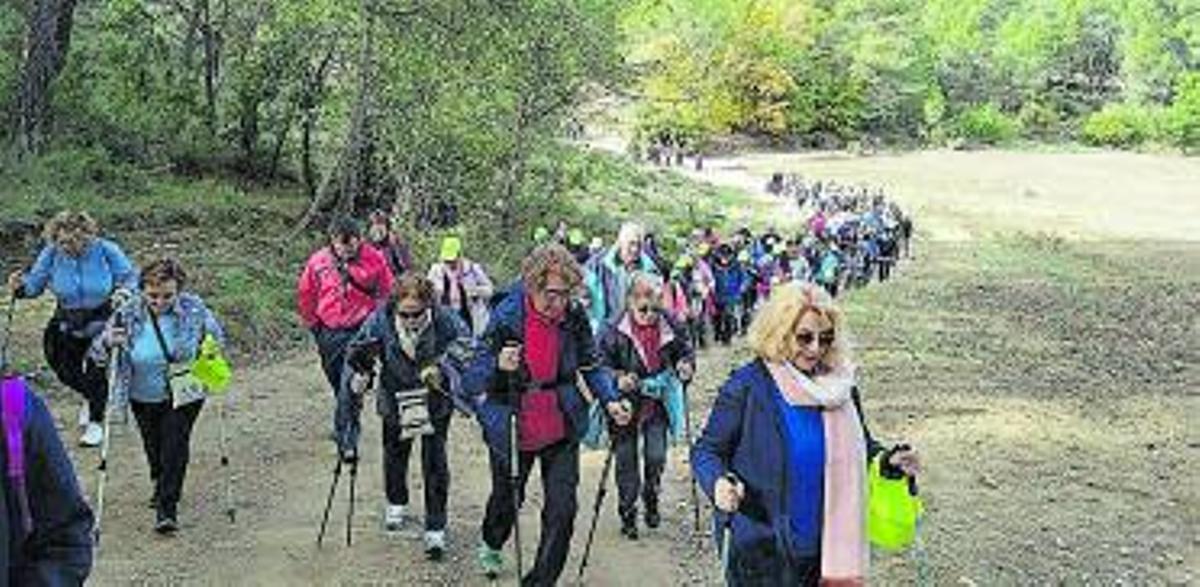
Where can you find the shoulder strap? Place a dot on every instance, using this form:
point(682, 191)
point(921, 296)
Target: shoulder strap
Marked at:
point(162, 345)
point(13, 407)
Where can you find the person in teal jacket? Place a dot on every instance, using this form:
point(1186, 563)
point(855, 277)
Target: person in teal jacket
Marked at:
point(608, 275)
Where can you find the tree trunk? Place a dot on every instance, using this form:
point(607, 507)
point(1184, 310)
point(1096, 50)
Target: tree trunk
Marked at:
point(49, 39)
point(211, 68)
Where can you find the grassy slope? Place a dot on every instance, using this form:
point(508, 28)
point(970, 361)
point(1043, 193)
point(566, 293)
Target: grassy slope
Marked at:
point(230, 237)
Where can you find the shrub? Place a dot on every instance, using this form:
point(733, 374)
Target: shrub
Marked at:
point(987, 125)
point(1122, 125)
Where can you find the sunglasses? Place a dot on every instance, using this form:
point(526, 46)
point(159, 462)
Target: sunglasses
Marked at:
point(410, 316)
point(555, 294)
point(824, 339)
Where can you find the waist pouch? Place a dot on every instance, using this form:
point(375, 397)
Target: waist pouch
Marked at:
point(82, 322)
point(412, 407)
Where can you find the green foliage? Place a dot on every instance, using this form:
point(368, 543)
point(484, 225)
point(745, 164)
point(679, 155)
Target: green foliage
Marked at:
point(1122, 125)
point(986, 125)
point(908, 69)
point(1182, 120)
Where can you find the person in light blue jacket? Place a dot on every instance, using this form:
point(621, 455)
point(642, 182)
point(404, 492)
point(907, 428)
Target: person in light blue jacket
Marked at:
point(158, 334)
point(82, 270)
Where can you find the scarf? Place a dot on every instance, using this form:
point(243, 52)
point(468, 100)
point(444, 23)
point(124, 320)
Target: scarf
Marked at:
point(844, 552)
point(407, 338)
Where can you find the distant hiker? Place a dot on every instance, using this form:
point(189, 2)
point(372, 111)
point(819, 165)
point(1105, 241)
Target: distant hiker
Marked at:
point(422, 350)
point(607, 276)
point(45, 522)
point(785, 448)
point(83, 271)
point(578, 245)
point(536, 348)
point(731, 284)
point(161, 335)
point(651, 357)
point(385, 235)
point(462, 285)
point(340, 286)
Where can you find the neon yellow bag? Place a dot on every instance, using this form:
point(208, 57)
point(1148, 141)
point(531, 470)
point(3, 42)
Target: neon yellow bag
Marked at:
point(892, 512)
point(210, 368)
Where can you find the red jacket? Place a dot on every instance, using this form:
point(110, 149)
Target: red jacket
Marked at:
point(331, 298)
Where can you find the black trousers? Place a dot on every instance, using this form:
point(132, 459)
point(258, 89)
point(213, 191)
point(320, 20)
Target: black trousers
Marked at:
point(762, 565)
point(66, 355)
point(725, 323)
point(435, 469)
point(166, 436)
point(632, 483)
point(560, 478)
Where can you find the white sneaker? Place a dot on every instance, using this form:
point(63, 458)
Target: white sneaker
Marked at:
point(85, 416)
point(93, 435)
point(394, 517)
point(435, 544)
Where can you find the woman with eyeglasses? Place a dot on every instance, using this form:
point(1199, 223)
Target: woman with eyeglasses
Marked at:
point(417, 350)
point(83, 271)
point(650, 356)
point(537, 347)
point(784, 452)
point(160, 336)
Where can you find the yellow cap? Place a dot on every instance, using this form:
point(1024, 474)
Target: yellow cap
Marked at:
point(451, 248)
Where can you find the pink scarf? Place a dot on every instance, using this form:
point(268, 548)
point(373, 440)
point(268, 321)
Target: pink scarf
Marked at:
point(844, 552)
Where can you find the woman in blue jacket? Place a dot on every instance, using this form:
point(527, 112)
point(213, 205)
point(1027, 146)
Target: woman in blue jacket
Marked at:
point(160, 332)
point(537, 346)
point(784, 452)
point(82, 270)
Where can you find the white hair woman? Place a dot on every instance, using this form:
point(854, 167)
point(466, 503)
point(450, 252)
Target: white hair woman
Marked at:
point(608, 275)
point(795, 404)
point(650, 355)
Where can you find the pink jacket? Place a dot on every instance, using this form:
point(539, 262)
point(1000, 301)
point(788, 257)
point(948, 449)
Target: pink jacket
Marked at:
point(333, 298)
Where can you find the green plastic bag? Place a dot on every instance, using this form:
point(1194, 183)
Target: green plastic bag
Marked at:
point(210, 368)
point(892, 511)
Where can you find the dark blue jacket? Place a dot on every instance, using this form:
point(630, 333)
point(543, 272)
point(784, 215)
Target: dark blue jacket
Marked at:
point(58, 552)
point(746, 435)
point(732, 282)
point(491, 390)
point(447, 344)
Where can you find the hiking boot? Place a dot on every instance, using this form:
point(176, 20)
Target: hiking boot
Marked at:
point(653, 519)
point(166, 523)
point(491, 560)
point(629, 527)
point(93, 435)
point(435, 544)
point(394, 517)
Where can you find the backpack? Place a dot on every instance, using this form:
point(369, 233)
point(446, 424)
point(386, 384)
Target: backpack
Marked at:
point(12, 404)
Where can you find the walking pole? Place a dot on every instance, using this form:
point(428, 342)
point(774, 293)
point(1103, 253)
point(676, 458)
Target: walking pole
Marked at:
point(113, 356)
point(229, 505)
point(514, 476)
point(8, 322)
point(600, 494)
point(687, 425)
point(350, 511)
point(337, 473)
point(514, 461)
point(727, 535)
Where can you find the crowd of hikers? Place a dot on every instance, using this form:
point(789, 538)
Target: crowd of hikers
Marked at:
point(592, 345)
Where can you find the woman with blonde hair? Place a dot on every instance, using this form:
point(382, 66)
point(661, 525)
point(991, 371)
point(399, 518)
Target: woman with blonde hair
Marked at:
point(83, 271)
point(784, 452)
